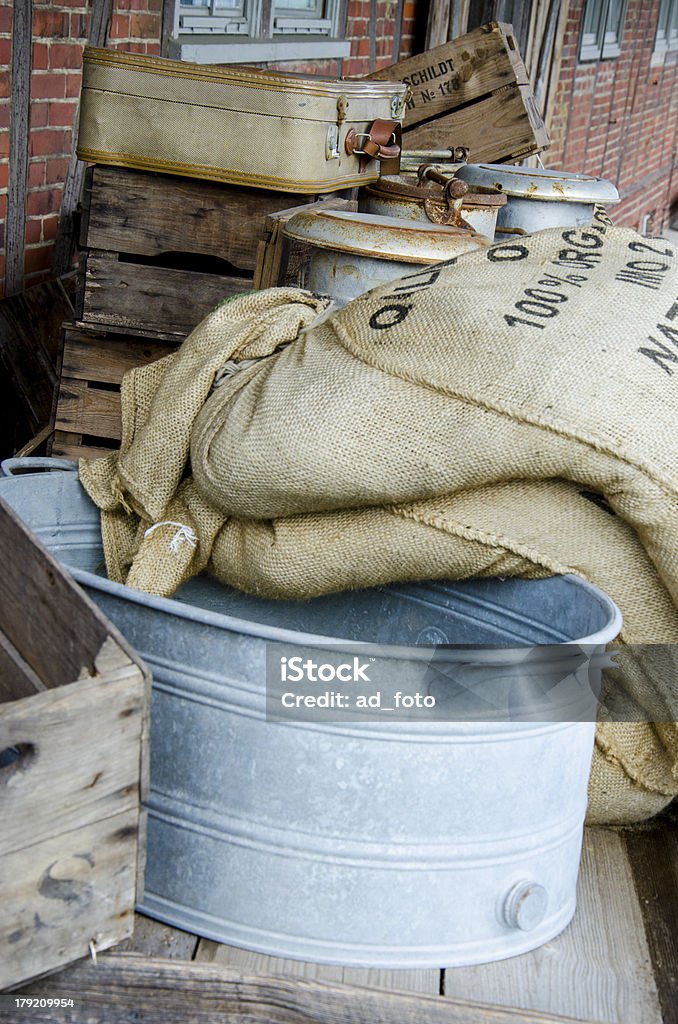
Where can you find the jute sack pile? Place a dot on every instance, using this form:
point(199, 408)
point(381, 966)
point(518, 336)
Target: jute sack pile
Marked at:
point(459, 422)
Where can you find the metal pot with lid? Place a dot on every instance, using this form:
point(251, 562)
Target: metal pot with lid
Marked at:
point(355, 252)
point(539, 198)
point(434, 197)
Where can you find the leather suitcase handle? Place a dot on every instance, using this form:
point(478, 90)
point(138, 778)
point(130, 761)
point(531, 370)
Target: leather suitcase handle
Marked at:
point(380, 143)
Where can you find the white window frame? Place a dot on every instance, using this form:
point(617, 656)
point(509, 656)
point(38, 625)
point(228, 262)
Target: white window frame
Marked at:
point(255, 32)
point(666, 38)
point(605, 42)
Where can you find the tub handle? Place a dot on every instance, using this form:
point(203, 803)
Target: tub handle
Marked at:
point(33, 463)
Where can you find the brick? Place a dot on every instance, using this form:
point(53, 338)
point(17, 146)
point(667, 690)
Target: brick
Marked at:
point(65, 55)
point(45, 201)
point(56, 170)
point(50, 227)
point(4, 144)
point(47, 86)
point(5, 114)
point(144, 26)
point(63, 113)
point(3, 206)
point(40, 56)
point(50, 24)
point(79, 26)
point(120, 26)
point(38, 258)
point(39, 113)
point(4, 84)
point(5, 19)
point(153, 49)
point(4, 175)
point(73, 83)
point(49, 142)
point(5, 51)
point(33, 233)
point(36, 174)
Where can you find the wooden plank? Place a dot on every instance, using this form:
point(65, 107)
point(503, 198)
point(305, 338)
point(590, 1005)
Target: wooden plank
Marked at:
point(86, 409)
point(100, 20)
point(502, 127)
point(60, 894)
point(155, 939)
point(149, 214)
point(72, 446)
point(136, 296)
point(15, 221)
point(438, 23)
point(279, 263)
point(459, 72)
point(44, 616)
point(123, 988)
point(106, 358)
point(83, 765)
point(653, 854)
point(17, 678)
point(257, 963)
point(598, 969)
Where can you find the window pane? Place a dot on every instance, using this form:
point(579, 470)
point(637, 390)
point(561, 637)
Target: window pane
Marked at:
point(230, 4)
point(303, 6)
point(592, 16)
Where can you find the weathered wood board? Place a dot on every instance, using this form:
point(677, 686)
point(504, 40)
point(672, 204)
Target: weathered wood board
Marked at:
point(87, 420)
point(150, 214)
point(158, 299)
point(473, 91)
point(125, 988)
point(279, 261)
point(74, 770)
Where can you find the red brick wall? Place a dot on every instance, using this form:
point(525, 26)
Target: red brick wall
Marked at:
point(619, 118)
point(60, 32)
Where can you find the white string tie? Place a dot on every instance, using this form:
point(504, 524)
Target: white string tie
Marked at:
point(184, 533)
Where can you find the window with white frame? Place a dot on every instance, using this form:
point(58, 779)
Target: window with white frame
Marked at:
point(602, 29)
point(667, 27)
point(207, 27)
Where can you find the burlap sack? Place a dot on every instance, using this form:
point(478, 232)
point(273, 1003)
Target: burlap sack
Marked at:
point(442, 426)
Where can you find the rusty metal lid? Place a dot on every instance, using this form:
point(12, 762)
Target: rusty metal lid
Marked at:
point(387, 238)
point(538, 183)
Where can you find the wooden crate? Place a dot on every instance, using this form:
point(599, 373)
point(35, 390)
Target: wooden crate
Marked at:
point(73, 767)
point(161, 251)
point(87, 422)
point(473, 92)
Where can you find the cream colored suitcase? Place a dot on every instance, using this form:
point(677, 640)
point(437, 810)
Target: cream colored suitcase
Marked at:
point(237, 124)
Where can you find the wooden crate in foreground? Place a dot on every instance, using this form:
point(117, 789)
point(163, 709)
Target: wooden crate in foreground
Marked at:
point(73, 767)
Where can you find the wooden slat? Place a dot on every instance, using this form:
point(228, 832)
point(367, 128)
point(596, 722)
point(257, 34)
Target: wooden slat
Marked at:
point(105, 358)
point(15, 221)
point(438, 23)
point(136, 296)
point(71, 446)
point(136, 212)
point(17, 678)
point(257, 963)
point(44, 616)
point(124, 988)
point(458, 72)
point(502, 127)
point(100, 19)
point(86, 409)
point(598, 969)
point(653, 854)
point(60, 894)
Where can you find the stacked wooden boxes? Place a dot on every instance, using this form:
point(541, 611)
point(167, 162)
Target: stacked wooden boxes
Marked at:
point(74, 703)
point(474, 92)
point(159, 252)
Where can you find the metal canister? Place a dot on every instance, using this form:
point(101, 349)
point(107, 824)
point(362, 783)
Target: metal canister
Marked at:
point(355, 252)
point(539, 198)
point(435, 197)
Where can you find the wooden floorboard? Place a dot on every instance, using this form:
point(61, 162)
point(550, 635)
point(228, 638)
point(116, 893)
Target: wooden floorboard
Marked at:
point(257, 963)
point(599, 969)
point(653, 854)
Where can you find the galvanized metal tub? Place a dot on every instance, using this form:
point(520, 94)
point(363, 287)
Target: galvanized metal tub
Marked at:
point(405, 198)
point(396, 844)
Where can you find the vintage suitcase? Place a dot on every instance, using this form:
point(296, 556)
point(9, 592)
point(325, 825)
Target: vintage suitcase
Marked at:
point(239, 125)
